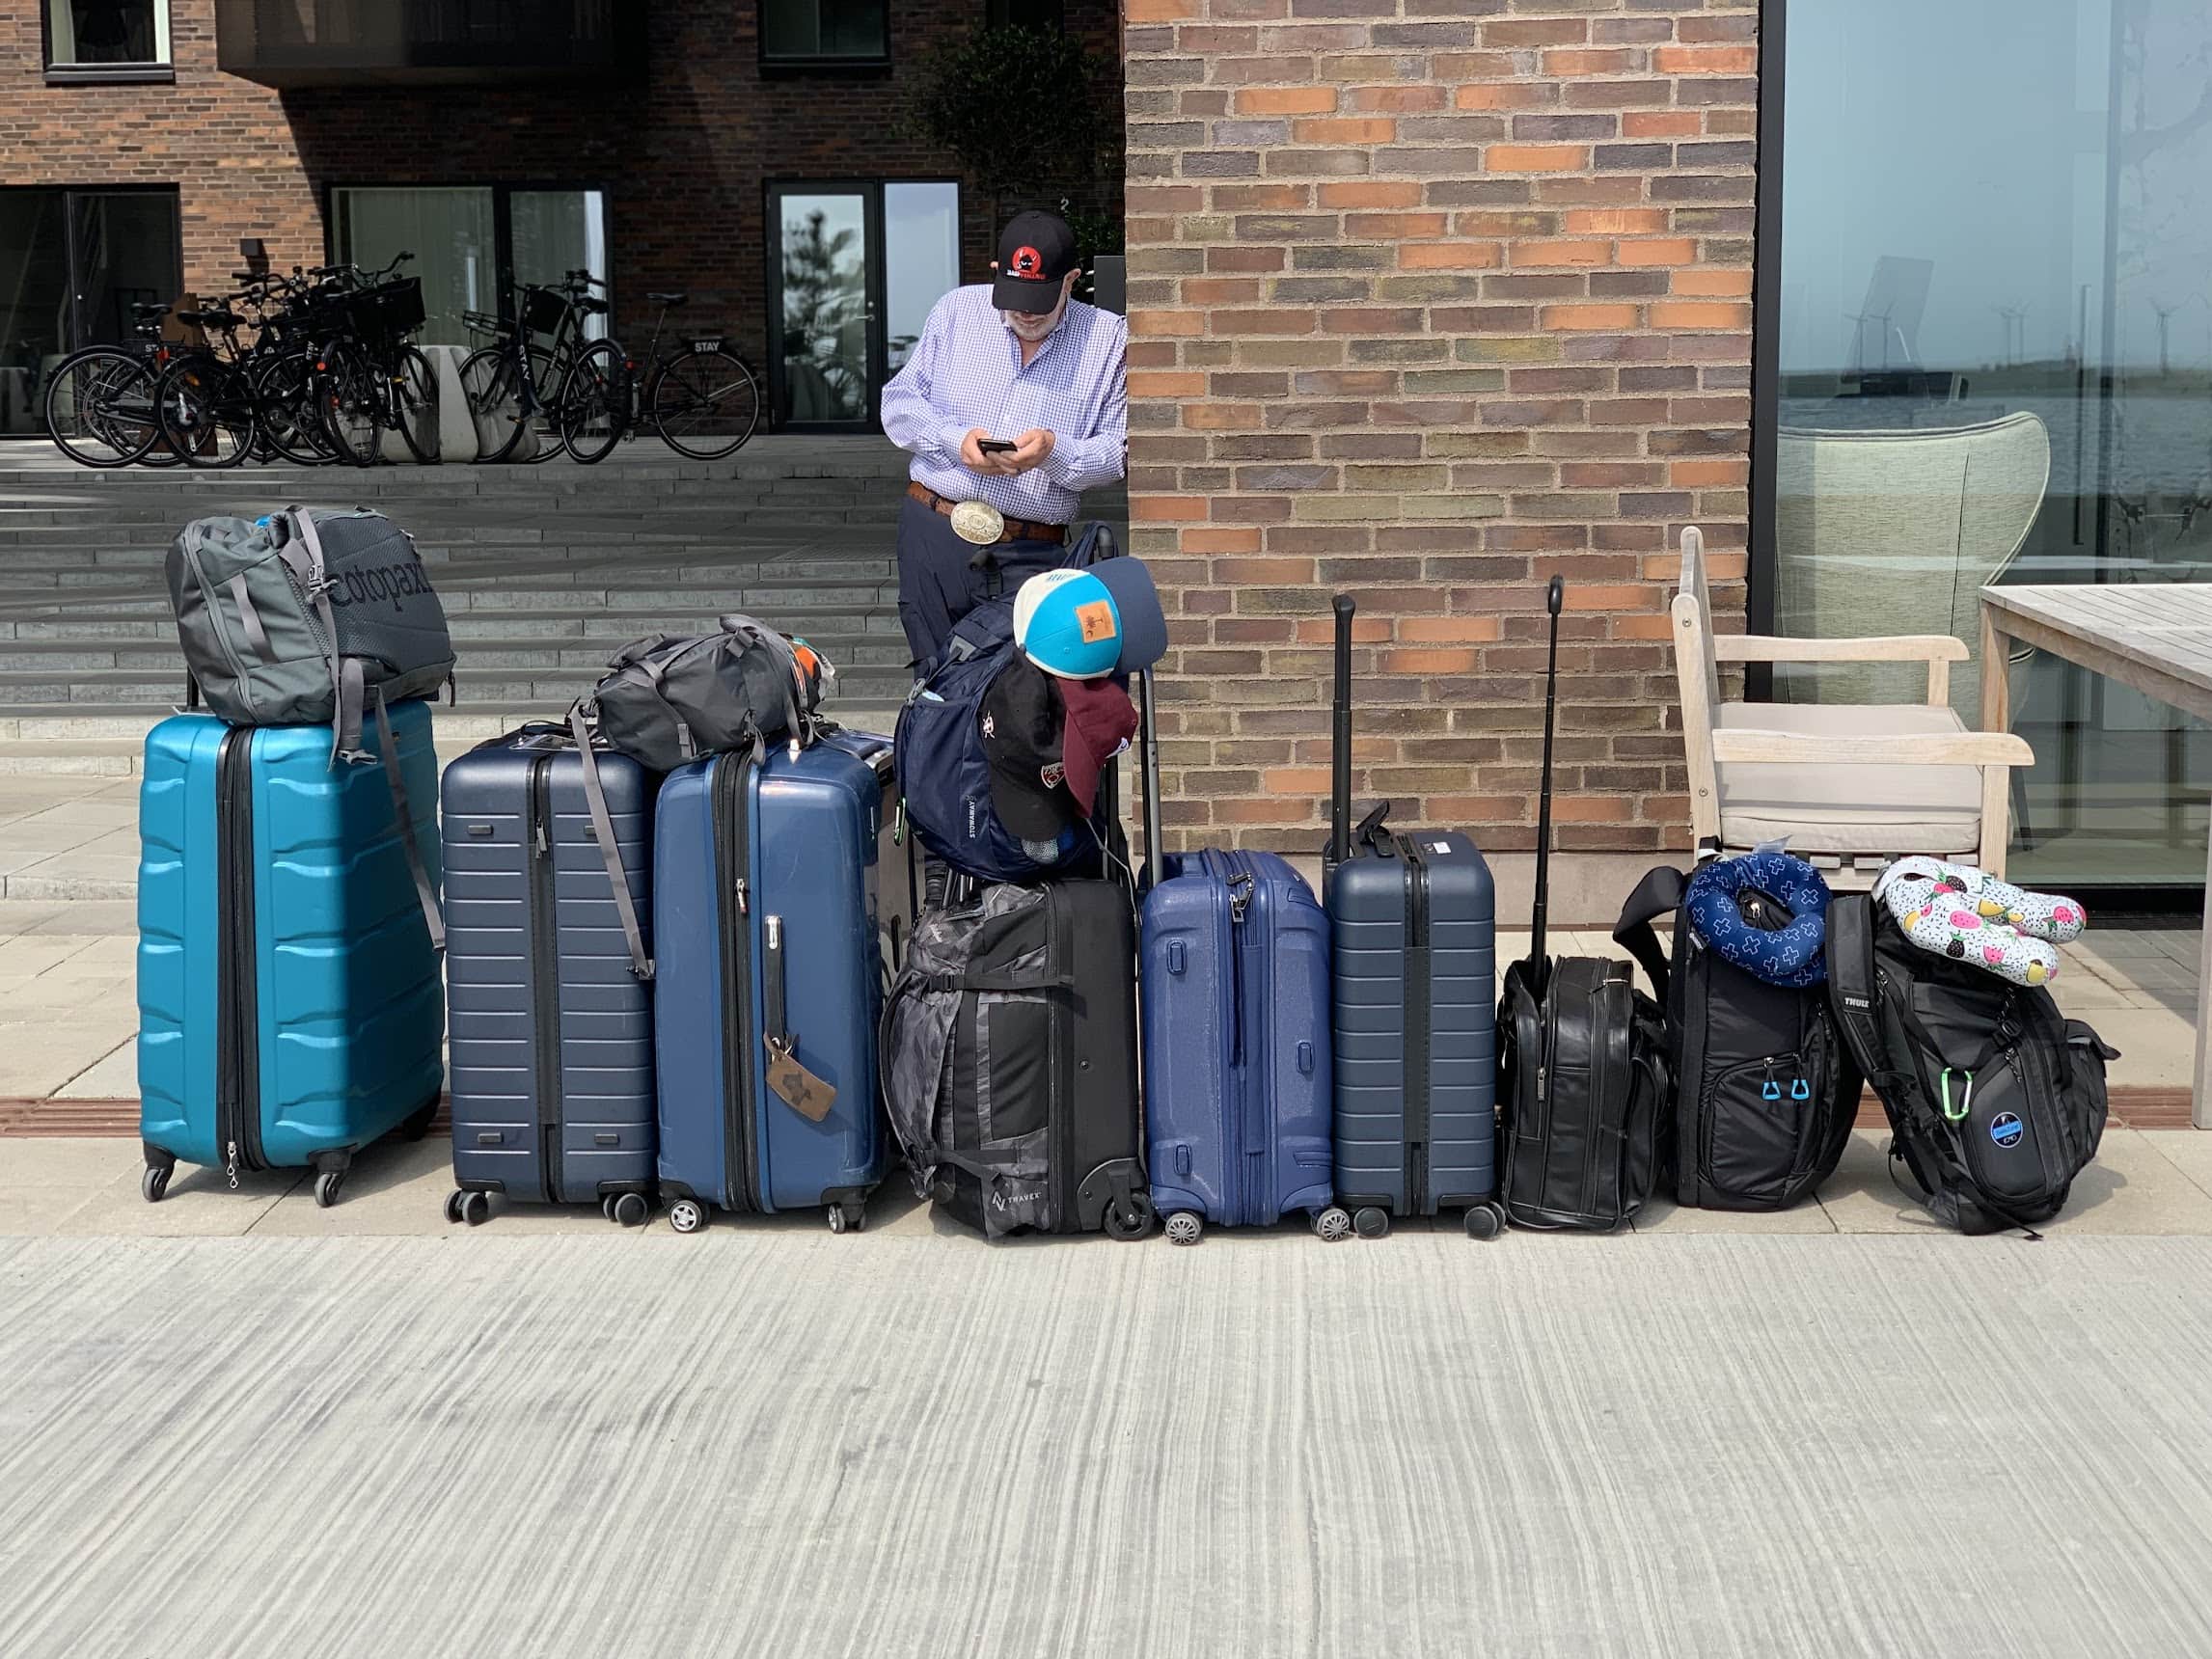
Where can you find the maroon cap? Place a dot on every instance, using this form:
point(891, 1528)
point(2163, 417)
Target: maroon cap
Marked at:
point(1100, 720)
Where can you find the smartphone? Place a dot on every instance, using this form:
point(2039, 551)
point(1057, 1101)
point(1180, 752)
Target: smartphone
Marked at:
point(996, 446)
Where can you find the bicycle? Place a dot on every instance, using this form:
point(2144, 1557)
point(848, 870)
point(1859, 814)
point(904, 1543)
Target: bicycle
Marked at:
point(506, 383)
point(99, 403)
point(702, 400)
point(368, 378)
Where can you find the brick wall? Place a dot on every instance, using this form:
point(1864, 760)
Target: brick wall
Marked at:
point(684, 156)
point(1430, 299)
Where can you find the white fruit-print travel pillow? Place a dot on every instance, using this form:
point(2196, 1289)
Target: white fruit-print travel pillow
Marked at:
point(1970, 915)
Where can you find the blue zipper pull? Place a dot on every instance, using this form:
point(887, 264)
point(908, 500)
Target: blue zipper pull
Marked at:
point(1770, 1090)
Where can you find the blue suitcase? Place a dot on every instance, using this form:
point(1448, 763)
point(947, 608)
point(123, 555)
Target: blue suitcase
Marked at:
point(774, 887)
point(1414, 969)
point(1237, 1043)
point(290, 1006)
point(550, 1005)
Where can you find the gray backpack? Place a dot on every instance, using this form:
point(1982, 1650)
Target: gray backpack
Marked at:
point(303, 617)
point(674, 697)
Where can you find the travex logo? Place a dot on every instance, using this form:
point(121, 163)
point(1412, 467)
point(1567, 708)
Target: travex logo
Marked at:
point(402, 580)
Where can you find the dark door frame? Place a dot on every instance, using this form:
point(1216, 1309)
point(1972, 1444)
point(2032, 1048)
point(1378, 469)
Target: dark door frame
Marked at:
point(877, 285)
point(73, 278)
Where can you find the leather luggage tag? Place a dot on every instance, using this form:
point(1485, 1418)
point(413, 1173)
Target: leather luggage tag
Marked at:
point(796, 1086)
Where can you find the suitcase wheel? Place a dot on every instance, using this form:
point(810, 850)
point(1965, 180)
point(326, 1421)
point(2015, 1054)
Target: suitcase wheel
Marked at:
point(848, 1217)
point(1371, 1221)
point(474, 1207)
point(153, 1184)
point(628, 1210)
point(687, 1215)
point(326, 1187)
point(1333, 1224)
point(1485, 1221)
point(1128, 1219)
point(453, 1201)
point(1185, 1226)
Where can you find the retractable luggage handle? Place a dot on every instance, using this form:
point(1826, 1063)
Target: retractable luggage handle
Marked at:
point(1339, 846)
point(1554, 600)
point(1148, 742)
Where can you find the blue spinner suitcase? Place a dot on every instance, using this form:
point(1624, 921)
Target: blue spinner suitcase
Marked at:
point(1236, 1045)
point(776, 887)
point(1414, 969)
point(549, 1001)
point(290, 1009)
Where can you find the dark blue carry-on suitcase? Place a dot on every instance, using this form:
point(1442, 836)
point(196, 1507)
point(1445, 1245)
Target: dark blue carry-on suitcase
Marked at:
point(287, 958)
point(1413, 941)
point(775, 890)
point(1235, 1013)
point(548, 980)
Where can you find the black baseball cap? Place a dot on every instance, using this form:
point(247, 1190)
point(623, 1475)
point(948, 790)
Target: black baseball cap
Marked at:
point(1023, 722)
point(1035, 251)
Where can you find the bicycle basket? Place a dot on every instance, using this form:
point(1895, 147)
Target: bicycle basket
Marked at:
point(543, 311)
point(395, 308)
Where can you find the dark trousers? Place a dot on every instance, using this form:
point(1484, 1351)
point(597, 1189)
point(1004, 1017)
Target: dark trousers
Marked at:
point(941, 578)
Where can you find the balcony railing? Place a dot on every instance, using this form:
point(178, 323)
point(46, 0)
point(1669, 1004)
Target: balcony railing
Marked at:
point(323, 43)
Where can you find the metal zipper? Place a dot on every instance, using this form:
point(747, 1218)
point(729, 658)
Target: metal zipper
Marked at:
point(1238, 1149)
point(238, 1015)
point(1061, 1070)
point(544, 976)
point(1418, 993)
point(733, 843)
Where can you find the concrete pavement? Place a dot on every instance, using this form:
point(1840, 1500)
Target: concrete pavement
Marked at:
point(775, 1441)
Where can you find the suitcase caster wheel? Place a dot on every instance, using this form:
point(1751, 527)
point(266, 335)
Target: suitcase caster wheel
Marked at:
point(848, 1217)
point(153, 1184)
point(837, 1219)
point(1128, 1222)
point(1184, 1227)
point(477, 1208)
point(1333, 1224)
point(629, 1209)
point(1370, 1221)
point(453, 1201)
point(607, 1206)
point(326, 1185)
point(1485, 1221)
point(687, 1215)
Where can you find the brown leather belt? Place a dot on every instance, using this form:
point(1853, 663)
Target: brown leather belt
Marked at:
point(1016, 529)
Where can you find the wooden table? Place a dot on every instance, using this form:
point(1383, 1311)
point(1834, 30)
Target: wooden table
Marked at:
point(2156, 638)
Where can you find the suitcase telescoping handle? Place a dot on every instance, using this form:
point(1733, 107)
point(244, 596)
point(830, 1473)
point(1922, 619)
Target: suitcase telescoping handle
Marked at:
point(1339, 846)
point(1148, 745)
point(1554, 598)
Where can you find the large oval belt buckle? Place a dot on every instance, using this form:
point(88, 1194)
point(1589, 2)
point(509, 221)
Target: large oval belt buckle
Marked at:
point(978, 522)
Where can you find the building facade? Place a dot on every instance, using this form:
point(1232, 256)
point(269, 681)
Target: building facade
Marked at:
point(755, 155)
point(1432, 299)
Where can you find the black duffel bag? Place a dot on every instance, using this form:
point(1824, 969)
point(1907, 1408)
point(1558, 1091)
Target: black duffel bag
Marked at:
point(667, 701)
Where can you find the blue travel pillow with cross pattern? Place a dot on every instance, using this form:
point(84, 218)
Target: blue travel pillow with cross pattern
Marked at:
point(1764, 913)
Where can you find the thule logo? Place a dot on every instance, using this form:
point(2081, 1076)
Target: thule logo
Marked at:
point(1859, 1003)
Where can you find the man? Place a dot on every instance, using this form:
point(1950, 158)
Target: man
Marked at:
point(1012, 405)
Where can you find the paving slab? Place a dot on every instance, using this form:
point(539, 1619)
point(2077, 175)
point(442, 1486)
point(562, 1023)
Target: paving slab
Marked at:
point(1712, 1446)
point(114, 1077)
point(200, 1205)
point(1663, 1215)
point(2133, 1188)
point(2190, 1151)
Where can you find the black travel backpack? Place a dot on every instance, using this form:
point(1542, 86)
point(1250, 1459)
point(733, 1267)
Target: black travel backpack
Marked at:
point(1764, 1089)
point(1996, 1101)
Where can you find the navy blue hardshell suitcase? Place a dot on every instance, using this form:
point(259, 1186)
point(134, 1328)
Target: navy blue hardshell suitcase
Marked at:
point(287, 974)
point(549, 1030)
point(775, 889)
point(1413, 960)
point(1237, 1045)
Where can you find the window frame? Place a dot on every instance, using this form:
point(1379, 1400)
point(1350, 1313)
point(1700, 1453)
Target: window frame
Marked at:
point(153, 71)
point(817, 63)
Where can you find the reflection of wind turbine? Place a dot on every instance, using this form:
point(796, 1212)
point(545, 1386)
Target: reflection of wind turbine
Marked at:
point(1858, 321)
point(2164, 322)
point(2015, 317)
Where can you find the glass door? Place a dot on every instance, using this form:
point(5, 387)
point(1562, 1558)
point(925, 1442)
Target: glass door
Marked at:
point(1994, 365)
point(858, 268)
point(453, 235)
point(72, 265)
point(555, 231)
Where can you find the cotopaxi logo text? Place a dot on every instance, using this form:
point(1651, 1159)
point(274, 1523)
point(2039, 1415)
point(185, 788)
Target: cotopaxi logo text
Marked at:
point(401, 578)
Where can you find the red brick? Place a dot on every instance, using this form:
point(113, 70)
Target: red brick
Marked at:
point(1535, 158)
point(1706, 60)
point(1318, 130)
point(1588, 318)
point(1699, 314)
point(1450, 255)
point(1285, 100)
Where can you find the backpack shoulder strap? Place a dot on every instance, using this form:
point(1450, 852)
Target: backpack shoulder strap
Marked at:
point(301, 550)
point(603, 831)
point(388, 751)
point(1851, 987)
point(1660, 893)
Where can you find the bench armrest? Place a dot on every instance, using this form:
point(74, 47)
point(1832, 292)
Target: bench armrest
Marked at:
point(1742, 746)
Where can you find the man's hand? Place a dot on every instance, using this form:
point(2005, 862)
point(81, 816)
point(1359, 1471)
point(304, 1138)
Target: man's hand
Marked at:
point(972, 457)
point(1029, 451)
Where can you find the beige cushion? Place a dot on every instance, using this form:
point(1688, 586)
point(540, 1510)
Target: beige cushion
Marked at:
point(1886, 809)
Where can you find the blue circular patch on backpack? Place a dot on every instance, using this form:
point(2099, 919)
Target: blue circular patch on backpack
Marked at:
point(2006, 1129)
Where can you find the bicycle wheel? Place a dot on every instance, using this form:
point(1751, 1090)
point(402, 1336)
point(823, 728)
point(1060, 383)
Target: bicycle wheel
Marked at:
point(206, 411)
point(284, 391)
point(497, 396)
point(99, 407)
point(415, 401)
point(705, 405)
point(593, 395)
point(349, 398)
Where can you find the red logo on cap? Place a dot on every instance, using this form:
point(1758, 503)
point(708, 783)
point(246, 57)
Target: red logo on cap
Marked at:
point(1027, 262)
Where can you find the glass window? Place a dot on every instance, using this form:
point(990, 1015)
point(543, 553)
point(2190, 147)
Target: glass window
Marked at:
point(922, 260)
point(555, 231)
point(823, 294)
point(92, 32)
point(815, 31)
point(1994, 332)
point(449, 232)
point(72, 265)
